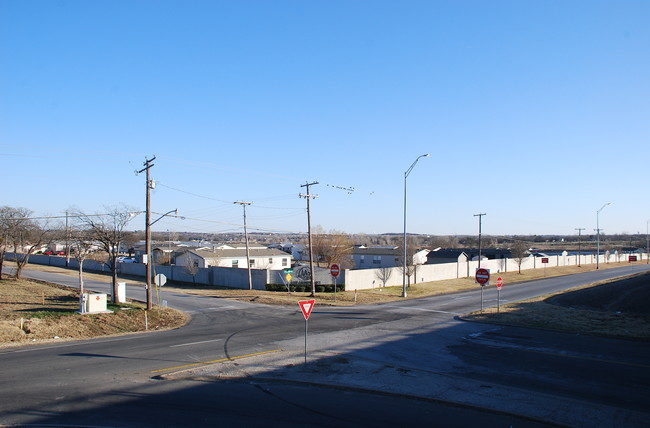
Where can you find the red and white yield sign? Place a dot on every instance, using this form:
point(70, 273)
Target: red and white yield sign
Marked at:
point(482, 276)
point(306, 307)
point(335, 270)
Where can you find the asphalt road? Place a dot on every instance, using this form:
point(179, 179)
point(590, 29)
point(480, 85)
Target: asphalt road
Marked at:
point(415, 348)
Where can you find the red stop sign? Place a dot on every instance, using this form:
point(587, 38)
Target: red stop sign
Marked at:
point(482, 276)
point(335, 270)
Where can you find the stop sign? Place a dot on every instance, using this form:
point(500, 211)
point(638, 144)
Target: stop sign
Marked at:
point(334, 270)
point(482, 276)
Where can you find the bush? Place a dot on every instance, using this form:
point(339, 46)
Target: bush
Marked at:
point(300, 288)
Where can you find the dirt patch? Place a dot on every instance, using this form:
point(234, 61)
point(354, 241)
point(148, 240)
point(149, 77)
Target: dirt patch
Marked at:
point(34, 311)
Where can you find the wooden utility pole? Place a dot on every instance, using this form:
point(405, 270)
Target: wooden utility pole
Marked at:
point(248, 254)
point(147, 166)
point(309, 196)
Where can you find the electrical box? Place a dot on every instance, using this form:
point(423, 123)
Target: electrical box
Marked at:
point(94, 303)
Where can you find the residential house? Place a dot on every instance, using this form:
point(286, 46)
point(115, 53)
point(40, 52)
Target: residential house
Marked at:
point(375, 257)
point(454, 255)
point(297, 251)
point(235, 257)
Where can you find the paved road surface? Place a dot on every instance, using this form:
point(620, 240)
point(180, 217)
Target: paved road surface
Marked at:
point(412, 348)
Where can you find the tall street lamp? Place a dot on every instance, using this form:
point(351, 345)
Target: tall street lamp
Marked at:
point(647, 242)
point(480, 217)
point(406, 174)
point(598, 233)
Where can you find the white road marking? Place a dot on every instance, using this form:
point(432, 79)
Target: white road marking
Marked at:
point(194, 343)
point(426, 310)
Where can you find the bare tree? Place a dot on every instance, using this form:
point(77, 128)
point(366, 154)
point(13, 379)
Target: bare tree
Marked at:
point(192, 267)
point(81, 242)
point(108, 230)
point(24, 234)
point(384, 274)
point(410, 252)
point(334, 247)
point(519, 252)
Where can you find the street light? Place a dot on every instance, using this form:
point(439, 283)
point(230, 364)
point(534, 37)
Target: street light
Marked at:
point(406, 174)
point(598, 233)
point(647, 243)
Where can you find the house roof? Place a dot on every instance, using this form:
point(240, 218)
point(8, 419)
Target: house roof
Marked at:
point(238, 253)
point(376, 251)
point(445, 253)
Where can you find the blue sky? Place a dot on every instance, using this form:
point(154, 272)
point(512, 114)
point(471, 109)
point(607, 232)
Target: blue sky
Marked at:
point(534, 112)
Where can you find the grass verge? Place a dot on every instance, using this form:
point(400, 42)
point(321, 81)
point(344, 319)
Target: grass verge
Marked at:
point(578, 311)
point(36, 312)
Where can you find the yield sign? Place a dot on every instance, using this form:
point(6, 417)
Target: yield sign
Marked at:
point(306, 306)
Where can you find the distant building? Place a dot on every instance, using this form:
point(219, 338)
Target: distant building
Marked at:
point(375, 257)
point(453, 255)
point(260, 258)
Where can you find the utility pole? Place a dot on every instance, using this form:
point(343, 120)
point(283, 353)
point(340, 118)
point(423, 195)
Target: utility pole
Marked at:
point(480, 217)
point(309, 196)
point(579, 229)
point(598, 233)
point(67, 241)
point(147, 166)
point(248, 255)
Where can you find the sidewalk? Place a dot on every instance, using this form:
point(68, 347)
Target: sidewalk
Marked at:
point(351, 361)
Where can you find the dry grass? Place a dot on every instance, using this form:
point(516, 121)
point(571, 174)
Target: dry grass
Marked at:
point(543, 312)
point(33, 312)
point(531, 313)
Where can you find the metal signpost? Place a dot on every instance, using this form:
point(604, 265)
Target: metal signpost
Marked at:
point(306, 307)
point(482, 277)
point(499, 285)
point(334, 271)
point(288, 277)
point(159, 280)
point(544, 262)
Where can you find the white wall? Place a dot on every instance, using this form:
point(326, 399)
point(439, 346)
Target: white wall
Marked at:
point(366, 279)
point(354, 279)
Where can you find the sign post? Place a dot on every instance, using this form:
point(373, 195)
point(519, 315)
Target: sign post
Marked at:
point(544, 262)
point(499, 285)
point(334, 271)
point(288, 277)
point(306, 307)
point(482, 277)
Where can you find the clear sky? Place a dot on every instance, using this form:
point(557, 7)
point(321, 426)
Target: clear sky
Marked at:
point(536, 113)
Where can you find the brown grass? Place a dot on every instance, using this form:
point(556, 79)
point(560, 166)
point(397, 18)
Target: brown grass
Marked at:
point(34, 312)
point(531, 313)
point(543, 312)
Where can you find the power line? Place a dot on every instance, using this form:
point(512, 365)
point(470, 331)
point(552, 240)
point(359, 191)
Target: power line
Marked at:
point(219, 200)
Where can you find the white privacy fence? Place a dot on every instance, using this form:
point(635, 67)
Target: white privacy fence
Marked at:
point(354, 279)
point(364, 279)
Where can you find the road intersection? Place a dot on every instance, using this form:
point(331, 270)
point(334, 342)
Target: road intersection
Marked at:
point(410, 349)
